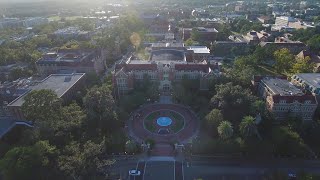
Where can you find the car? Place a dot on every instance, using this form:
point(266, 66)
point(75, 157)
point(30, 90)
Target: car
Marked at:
point(134, 173)
point(292, 176)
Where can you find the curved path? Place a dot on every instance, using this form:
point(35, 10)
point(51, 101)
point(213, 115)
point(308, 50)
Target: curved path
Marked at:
point(140, 134)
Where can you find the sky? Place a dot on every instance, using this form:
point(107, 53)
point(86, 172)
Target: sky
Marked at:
point(26, 1)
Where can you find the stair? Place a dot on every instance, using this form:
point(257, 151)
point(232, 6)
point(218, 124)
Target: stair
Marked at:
point(162, 149)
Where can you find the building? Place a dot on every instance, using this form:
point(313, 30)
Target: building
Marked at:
point(34, 21)
point(64, 85)
point(71, 33)
point(265, 19)
point(70, 61)
point(9, 91)
point(254, 37)
point(199, 52)
point(294, 46)
point(283, 99)
point(10, 23)
point(202, 33)
point(308, 81)
point(167, 65)
point(284, 21)
point(156, 23)
point(313, 58)
point(224, 48)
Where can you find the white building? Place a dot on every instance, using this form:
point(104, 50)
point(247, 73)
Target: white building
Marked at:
point(284, 20)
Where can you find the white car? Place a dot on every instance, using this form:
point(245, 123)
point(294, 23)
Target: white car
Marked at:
point(292, 176)
point(134, 173)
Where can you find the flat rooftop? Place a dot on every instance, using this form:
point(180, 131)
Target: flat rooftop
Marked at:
point(167, 54)
point(58, 83)
point(64, 57)
point(203, 29)
point(281, 86)
point(199, 49)
point(167, 45)
point(310, 78)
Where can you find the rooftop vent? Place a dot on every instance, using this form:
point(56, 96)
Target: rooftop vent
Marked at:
point(67, 79)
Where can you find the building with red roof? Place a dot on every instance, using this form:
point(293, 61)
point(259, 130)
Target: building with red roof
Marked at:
point(167, 65)
point(284, 99)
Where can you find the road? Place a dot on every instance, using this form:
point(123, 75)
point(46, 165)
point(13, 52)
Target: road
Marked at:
point(211, 169)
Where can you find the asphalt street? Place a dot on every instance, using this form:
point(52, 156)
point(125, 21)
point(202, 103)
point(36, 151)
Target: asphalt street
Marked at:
point(211, 169)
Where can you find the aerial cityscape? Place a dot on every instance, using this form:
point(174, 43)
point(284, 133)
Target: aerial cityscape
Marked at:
point(159, 90)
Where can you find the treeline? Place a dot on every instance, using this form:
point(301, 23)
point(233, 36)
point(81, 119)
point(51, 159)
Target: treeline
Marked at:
point(67, 142)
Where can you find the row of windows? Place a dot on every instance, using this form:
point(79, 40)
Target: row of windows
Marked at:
point(121, 81)
point(293, 108)
point(140, 76)
point(284, 102)
point(48, 65)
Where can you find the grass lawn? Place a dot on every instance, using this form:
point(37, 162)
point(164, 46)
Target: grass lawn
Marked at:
point(149, 121)
point(54, 18)
point(179, 122)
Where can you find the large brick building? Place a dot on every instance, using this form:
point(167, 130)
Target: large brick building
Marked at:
point(64, 85)
point(71, 61)
point(167, 65)
point(284, 99)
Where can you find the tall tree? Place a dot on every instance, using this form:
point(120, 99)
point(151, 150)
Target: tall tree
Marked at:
point(31, 162)
point(229, 95)
point(248, 127)
point(100, 109)
point(82, 161)
point(314, 43)
point(284, 60)
point(225, 130)
point(213, 119)
point(303, 65)
point(42, 107)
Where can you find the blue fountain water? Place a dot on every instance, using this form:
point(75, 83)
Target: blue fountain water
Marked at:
point(164, 121)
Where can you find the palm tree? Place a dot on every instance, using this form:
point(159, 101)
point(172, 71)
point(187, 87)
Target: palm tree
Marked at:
point(248, 126)
point(225, 130)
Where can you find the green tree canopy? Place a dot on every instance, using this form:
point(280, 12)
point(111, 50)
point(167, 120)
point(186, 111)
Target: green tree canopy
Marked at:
point(82, 160)
point(248, 127)
point(229, 95)
point(303, 65)
point(287, 142)
point(314, 43)
point(27, 163)
point(284, 60)
point(225, 130)
point(100, 109)
point(42, 106)
point(213, 119)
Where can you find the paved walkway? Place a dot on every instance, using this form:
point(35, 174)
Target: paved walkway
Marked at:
point(162, 149)
point(165, 99)
point(140, 134)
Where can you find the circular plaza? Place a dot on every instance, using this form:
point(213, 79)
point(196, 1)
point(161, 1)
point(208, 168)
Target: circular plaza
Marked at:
point(164, 123)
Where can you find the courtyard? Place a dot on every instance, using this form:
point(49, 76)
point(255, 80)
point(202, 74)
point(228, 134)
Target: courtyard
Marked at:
point(165, 124)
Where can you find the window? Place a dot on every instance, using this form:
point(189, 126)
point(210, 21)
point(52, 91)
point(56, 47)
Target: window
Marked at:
point(307, 102)
point(283, 101)
point(178, 76)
